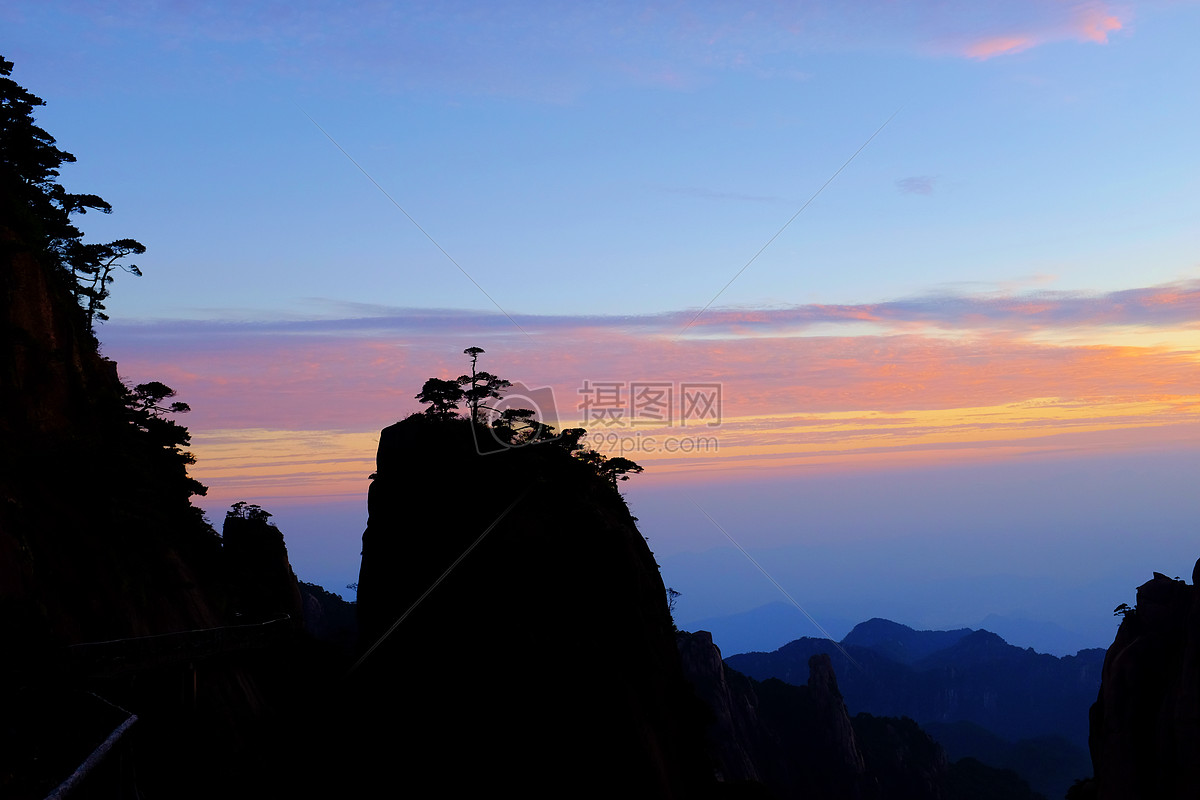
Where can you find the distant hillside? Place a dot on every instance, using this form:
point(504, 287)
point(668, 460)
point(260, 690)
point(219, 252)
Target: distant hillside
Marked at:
point(900, 642)
point(1050, 763)
point(800, 741)
point(763, 628)
point(940, 677)
point(772, 625)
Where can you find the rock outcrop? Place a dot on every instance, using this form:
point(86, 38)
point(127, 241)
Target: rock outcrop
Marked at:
point(1145, 725)
point(737, 739)
point(261, 582)
point(105, 566)
point(95, 541)
point(800, 741)
point(515, 628)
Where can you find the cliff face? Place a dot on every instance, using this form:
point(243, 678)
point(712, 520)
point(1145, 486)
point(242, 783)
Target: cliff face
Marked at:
point(93, 544)
point(261, 582)
point(99, 542)
point(1145, 725)
point(799, 741)
point(737, 739)
point(49, 368)
point(544, 658)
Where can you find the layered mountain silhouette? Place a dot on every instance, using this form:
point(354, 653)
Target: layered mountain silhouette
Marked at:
point(799, 741)
point(940, 678)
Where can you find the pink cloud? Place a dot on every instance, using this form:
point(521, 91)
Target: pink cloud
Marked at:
point(1094, 24)
point(1044, 23)
point(363, 383)
point(999, 45)
point(785, 396)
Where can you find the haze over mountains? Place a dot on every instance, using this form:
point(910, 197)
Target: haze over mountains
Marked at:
point(982, 696)
point(770, 626)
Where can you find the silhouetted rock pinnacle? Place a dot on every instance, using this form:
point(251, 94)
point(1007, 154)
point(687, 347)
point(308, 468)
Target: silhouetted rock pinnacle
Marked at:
point(534, 648)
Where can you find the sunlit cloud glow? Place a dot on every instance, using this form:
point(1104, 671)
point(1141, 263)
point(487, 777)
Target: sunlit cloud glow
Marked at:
point(1053, 22)
point(292, 408)
point(999, 45)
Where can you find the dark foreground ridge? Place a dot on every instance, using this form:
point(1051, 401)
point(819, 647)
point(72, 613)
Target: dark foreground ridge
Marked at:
point(1145, 725)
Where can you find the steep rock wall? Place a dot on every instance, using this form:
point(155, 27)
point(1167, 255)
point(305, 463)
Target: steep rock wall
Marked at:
point(1145, 725)
point(545, 658)
point(91, 544)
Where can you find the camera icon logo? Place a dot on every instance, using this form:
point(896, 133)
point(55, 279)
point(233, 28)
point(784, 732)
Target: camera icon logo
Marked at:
point(497, 434)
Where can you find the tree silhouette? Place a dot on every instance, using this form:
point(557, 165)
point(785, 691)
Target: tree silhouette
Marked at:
point(514, 426)
point(616, 469)
point(443, 397)
point(93, 266)
point(672, 598)
point(166, 438)
point(147, 397)
point(35, 203)
point(244, 510)
point(480, 386)
point(520, 426)
point(611, 469)
point(571, 439)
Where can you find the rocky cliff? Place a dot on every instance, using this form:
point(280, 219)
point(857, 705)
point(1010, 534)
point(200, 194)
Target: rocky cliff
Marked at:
point(515, 628)
point(96, 541)
point(800, 741)
point(259, 576)
point(99, 542)
point(1145, 725)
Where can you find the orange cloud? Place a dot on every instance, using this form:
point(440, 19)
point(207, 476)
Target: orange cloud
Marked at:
point(999, 45)
point(292, 412)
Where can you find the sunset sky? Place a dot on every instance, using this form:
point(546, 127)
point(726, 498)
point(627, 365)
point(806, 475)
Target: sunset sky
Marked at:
point(942, 261)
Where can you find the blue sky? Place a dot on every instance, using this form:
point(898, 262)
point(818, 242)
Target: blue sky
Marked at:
point(627, 159)
point(1020, 236)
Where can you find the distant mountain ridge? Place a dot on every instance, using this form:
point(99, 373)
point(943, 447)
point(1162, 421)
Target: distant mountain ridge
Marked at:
point(900, 642)
point(800, 742)
point(943, 677)
point(770, 626)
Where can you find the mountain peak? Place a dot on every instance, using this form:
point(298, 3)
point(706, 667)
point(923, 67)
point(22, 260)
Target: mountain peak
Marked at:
point(876, 629)
point(900, 642)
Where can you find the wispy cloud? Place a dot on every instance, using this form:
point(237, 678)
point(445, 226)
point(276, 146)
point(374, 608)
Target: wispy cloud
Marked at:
point(526, 49)
point(917, 184)
point(1046, 23)
point(998, 45)
point(1170, 305)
